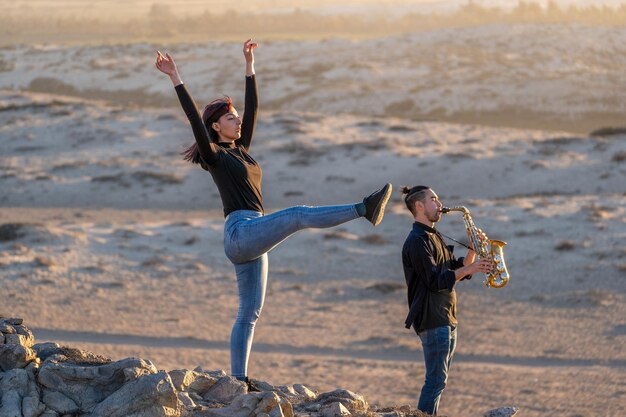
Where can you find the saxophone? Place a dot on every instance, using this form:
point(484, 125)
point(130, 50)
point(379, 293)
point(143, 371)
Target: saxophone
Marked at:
point(489, 249)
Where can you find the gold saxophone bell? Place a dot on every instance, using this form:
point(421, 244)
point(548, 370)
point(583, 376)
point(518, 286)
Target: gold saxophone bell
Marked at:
point(488, 249)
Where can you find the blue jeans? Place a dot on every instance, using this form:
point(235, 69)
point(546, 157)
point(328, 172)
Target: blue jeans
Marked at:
point(438, 345)
point(248, 236)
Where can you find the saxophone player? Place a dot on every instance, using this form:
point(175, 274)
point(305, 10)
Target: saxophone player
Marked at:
point(431, 272)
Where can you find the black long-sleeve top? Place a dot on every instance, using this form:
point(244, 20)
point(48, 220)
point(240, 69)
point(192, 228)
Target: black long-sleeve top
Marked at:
point(236, 174)
point(429, 266)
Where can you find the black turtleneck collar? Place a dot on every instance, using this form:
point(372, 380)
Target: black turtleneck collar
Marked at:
point(227, 145)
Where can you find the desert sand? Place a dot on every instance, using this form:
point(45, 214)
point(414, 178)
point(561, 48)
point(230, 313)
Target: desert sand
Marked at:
point(110, 242)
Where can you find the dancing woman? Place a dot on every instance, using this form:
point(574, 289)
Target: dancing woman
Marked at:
point(222, 144)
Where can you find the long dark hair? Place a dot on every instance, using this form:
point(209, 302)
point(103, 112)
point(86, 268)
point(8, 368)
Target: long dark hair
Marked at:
point(212, 112)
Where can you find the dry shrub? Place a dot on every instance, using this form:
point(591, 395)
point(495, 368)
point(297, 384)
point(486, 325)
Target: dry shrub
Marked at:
point(386, 287)
point(153, 262)
point(609, 131)
point(460, 155)
point(339, 178)
point(401, 128)
point(43, 262)
point(619, 156)
point(374, 239)
point(339, 234)
point(69, 166)
point(293, 193)
point(565, 245)
point(159, 177)
point(117, 179)
point(597, 212)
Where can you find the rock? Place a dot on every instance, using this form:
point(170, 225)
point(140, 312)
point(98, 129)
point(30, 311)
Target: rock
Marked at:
point(1, 338)
point(267, 402)
point(286, 408)
point(355, 403)
point(501, 412)
point(254, 404)
point(335, 409)
point(225, 390)
point(17, 339)
point(15, 380)
point(15, 356)
point(89, 385)
point(25, 331)
point(198, 382)
point(59, 402)
point(32, 407)
point(185, 399)
point(304, 392)
point(149, 396)
point(11, 404)
point(68, 354)
point(12, 321)
point(6, 328)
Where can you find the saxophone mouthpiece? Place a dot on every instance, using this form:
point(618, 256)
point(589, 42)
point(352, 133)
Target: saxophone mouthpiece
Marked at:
point(444, 210)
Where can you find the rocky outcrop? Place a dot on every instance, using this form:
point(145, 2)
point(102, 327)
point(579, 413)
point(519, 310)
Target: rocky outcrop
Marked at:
point(48, 380)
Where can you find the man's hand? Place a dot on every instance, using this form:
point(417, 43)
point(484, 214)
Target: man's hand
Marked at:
point(481, 265)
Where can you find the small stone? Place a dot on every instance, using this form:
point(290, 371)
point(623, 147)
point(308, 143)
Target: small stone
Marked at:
point(350, 400)
point(335, 409)
point(186, 400)
point(268, 401)
point(192, 381)
point(6, 328)
point(305, 392)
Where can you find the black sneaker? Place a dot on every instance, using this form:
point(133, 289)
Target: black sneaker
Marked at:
point(252, 387)
point(375, 204)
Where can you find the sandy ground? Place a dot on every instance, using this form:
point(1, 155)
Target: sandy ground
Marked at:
point(120, 250)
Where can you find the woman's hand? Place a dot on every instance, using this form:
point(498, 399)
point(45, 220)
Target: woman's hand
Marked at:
point(167, 66)
point(248, 47)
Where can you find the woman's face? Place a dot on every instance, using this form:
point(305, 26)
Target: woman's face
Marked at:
point(228, 127)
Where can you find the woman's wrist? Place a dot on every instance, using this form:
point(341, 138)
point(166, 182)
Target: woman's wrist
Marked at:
point(249, 69)
point(176, 80)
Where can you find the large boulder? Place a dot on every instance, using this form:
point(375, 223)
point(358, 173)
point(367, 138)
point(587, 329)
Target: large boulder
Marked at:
point(88, 385)
point(149, 396)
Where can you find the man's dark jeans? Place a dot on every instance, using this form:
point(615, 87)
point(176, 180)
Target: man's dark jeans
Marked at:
point(438, 345)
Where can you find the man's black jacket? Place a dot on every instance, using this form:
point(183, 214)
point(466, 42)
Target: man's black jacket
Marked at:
point(428, 266)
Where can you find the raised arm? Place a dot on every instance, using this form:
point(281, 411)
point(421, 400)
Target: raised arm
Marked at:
point(251, 102)
point(207, 149)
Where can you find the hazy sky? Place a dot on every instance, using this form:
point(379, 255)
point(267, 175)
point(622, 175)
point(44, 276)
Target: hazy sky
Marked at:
point(122, 8)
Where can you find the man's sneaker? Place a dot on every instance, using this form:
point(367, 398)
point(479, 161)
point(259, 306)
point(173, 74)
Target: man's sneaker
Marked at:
point(375, 204)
